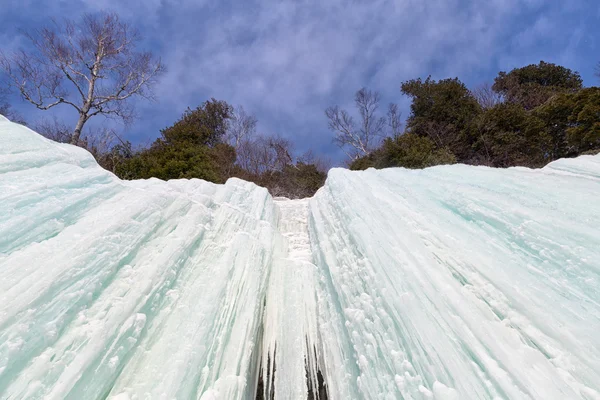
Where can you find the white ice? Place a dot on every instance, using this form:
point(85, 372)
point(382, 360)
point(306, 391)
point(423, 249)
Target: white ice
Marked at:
point(452, 282)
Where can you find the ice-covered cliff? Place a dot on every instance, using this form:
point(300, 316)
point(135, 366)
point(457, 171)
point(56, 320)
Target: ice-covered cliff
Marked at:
point(452, 282)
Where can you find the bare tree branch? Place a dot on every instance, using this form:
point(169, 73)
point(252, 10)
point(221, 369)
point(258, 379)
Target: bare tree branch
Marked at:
point(240, 127)
point(357, 140)
point(53, 130)
point(91, 65)
point(394, 121)
point(6, 109)
point(262, 154)
point(322, 164)
point(486, 97)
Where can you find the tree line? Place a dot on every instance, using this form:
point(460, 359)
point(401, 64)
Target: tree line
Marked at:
point(93, 66)
point(528, 117)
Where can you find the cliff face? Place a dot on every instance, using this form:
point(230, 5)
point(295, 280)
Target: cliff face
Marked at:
point(452, 282)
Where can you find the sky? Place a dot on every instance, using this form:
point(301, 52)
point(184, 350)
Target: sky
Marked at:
point(287, 61)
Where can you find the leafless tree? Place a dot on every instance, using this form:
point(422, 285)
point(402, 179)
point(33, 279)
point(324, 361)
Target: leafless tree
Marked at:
point(101, 140)
point(241, 127)
point(7, 110)
point(262, 154)
point(97, 140)
point(54, 129)
point(485, 96)
point(394, 121)
point(322, 164)
point(91, 65)
point(358, 139)
point(4, 105)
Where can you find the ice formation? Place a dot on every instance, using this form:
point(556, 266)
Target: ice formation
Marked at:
point(452, 282)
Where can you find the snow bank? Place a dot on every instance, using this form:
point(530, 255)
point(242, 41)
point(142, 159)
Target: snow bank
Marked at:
point(453, 282)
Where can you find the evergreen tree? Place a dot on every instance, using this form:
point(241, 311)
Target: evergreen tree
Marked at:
point(191, 148)
point(442, 111)
point(532, 85)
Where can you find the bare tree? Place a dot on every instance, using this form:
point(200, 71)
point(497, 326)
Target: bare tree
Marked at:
point(4, 105)
point(358, 139)
point(97, 141)
point(91, 65)
point(241, 127)
point(101, 141)
point(54, 130)
point(7, 110)
point(394, 121)
point(322, 164)
point(486, 96)
point(264, 153)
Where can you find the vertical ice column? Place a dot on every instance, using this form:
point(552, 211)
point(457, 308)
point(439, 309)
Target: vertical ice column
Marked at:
point(290, 331)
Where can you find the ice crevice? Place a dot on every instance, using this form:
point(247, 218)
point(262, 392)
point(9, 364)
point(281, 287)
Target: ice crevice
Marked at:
point(453, 282)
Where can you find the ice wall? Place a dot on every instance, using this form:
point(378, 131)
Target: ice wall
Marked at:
point(148, 289)
point(460, 282)
point(452, 282)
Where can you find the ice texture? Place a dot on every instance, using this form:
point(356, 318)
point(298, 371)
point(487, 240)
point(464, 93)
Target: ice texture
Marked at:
point(452, 282)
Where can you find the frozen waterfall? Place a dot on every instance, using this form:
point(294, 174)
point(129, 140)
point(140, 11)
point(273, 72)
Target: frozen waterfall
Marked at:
point(453, 282)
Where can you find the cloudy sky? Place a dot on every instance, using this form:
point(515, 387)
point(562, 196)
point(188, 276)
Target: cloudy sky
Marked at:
point(286, 61)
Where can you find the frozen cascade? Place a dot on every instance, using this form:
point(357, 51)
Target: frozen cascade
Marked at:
point(290, 321)
point(452, 282)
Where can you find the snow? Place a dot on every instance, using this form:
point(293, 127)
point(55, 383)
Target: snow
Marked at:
point(452, 282)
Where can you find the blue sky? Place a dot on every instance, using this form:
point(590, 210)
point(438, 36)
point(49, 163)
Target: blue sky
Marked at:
point(286, 61)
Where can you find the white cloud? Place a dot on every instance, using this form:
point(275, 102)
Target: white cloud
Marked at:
point(287, 60)
point(298, 57)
